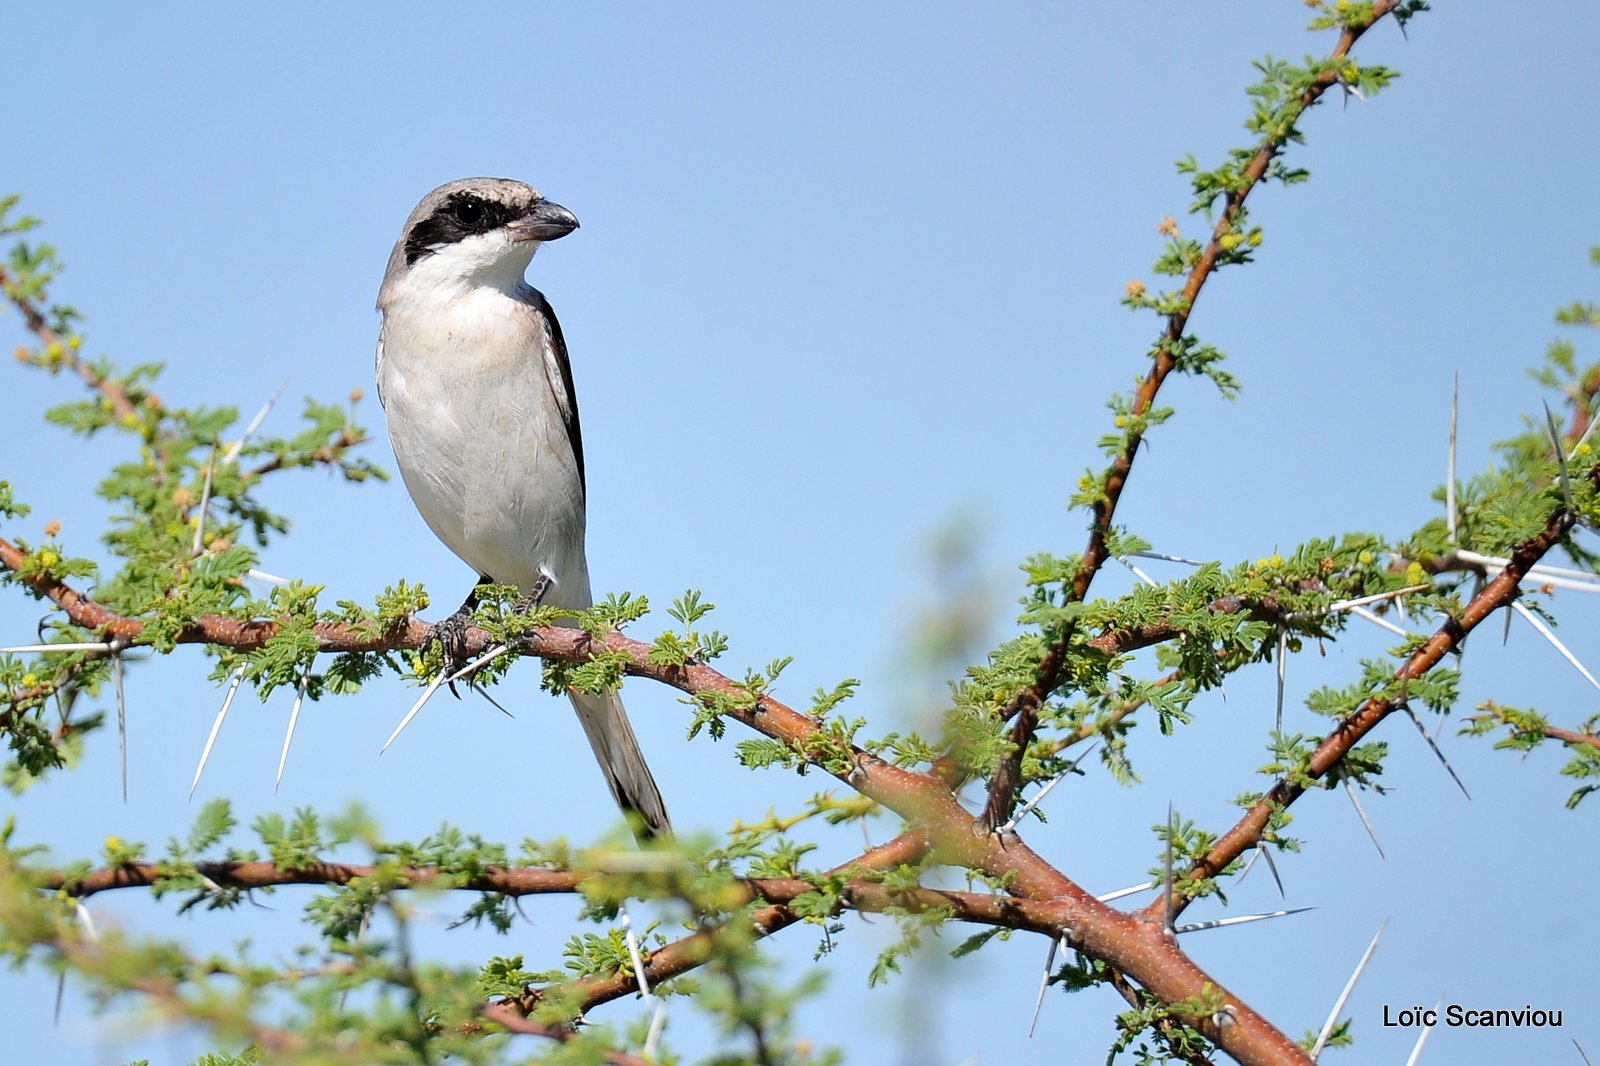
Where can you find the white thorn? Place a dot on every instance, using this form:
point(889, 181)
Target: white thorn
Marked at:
point(271, 579)
point(216, 727)
point(1283, 654)
point(255, 423)
point(1362, 601)
point(85, 919)
point(205, 498)
point(1422, 1037)
point(1140, 574)
point(1027, 808)
point(1259, 852)
point(1167, 558)
point(1349, 986)
point(635, 955)
point(1166, 876)
point(1436, 750)
point(1350, 790)
point(481, 661)
point(1044, 983)
point(1241, 919)
point(42, 649)
point(659, 1017)
point(1131, 890)
point(294, 717)
point(1499, 563)
point(653, 1037)
point(1379, 621)
point(439, 679)
point(1544, 631)
point(427, 694)
point(1451, 520)
point(1265, 852)
point(122, 721)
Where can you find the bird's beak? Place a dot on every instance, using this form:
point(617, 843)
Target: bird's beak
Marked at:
point(545, 222)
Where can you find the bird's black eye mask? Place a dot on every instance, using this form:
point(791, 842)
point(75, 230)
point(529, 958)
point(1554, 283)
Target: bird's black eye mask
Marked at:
point(462, 215)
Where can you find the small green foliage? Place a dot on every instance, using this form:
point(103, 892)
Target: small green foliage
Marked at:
point(1526, 730)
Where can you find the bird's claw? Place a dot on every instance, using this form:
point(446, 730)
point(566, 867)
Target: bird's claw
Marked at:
point(451, 635)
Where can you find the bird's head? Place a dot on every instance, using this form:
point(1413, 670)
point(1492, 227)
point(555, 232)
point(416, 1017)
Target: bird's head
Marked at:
point(477, 231)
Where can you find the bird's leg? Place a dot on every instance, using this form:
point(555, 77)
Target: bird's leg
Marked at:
point(451, 633)
point(529, 601)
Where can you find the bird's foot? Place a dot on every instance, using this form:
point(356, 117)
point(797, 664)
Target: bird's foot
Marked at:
point(451, 635)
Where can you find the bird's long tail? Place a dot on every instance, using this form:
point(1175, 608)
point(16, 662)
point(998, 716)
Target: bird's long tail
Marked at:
point(617, 749)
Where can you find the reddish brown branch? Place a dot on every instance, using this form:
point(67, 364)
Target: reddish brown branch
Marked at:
point(39, 327)
point(1024, 708)
point(1568, 736)
point(1247, 833)
point(508, 1019)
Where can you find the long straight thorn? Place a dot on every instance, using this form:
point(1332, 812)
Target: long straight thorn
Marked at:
point(1350, 790)
point(1044, 983)
point(1378, 620)
point(1140, 574)
point(1027, 808)
point(1436, 751)
point(1561, 457)
point(294, 718)
point(1239, 919)
point(1283, 654)
point(1166, 875)
point(480, 662)
point(427, 694)
point(1344, 997)
point(216, 727)
point(1422, 1037)
point(1131, 890)
point(122, 718)
point(1451, 520)
point(1575, 1043)
point(1265, 851)
point(1362, 601)
point(43, 649)
point(205, 499)
point(1168, 558)
point(1544, 631)
point(255, 423)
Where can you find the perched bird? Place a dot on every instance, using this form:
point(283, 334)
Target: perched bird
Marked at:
point(473, 374)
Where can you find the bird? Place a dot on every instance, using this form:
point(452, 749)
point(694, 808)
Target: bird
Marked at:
point(474, 378)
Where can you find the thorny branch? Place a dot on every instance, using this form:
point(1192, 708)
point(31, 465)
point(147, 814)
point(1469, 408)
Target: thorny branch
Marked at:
point(1024, 708)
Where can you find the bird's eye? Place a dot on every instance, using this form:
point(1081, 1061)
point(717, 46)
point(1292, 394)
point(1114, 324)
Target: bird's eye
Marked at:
point(468, 212)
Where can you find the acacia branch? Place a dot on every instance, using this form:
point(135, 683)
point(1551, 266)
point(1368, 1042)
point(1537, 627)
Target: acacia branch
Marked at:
point(1139, 948)
point(1248, 831)
point(59, 350)
point(1024, 708)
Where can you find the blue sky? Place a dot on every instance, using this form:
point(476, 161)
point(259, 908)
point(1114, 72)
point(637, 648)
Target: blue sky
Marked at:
point(846, 277)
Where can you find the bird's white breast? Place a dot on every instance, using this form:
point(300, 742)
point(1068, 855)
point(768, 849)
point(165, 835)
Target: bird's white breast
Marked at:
point(475, 422)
